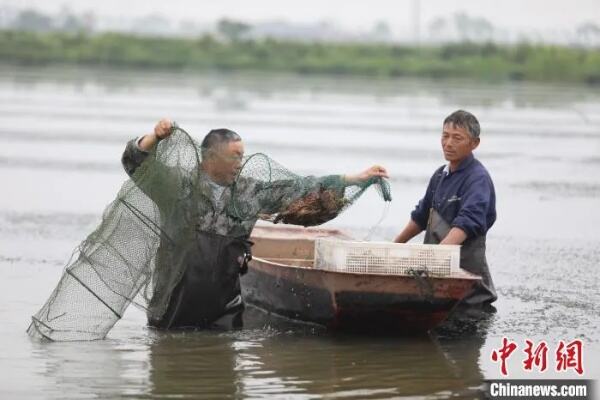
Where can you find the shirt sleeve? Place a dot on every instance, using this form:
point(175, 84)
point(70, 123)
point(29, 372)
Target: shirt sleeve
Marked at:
point(133, 156)
point(420, 214)
point(475, 203)
point(162, 183)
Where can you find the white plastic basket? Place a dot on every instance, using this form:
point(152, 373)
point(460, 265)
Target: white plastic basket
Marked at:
point(386, 258)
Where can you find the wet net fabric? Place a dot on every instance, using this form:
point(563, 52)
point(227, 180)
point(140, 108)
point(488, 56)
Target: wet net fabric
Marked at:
point(135, 254)
point(285, 197)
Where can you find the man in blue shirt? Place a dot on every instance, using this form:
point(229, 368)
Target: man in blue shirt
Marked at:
point(459, 206)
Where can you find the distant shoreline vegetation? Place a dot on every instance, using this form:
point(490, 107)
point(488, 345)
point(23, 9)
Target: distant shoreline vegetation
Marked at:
point(490, 62)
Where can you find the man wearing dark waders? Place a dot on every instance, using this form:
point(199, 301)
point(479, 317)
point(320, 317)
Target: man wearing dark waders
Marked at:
point(207, 286)
point(459, 206)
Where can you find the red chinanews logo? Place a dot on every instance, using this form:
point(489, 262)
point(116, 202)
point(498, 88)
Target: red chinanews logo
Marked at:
point(567, 356)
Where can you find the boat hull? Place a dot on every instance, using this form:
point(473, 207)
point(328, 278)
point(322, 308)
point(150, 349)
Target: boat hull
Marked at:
point(341, 300)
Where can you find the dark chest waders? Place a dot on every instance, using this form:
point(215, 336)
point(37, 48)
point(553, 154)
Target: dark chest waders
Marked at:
point(472, 257)
point(210, 285)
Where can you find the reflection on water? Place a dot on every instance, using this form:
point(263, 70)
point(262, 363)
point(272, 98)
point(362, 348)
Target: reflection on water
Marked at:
point(269, 358)
point(62, 136)
point(258, 362)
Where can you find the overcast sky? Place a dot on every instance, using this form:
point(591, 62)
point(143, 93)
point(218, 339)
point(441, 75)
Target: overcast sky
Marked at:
point(520, 14)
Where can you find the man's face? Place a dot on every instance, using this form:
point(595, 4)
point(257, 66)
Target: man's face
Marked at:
point(226, 162)
point(457, 143)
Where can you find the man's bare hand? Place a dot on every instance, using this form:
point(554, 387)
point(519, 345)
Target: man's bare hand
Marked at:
point(163, 128)
point(374, 171)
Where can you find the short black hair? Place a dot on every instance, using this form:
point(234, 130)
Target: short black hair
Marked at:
point(216, 137)
point(466, 120)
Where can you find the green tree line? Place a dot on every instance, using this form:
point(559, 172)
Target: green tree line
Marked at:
point(465, 60)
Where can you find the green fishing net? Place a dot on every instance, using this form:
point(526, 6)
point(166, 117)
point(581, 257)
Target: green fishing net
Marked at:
point(135, 254)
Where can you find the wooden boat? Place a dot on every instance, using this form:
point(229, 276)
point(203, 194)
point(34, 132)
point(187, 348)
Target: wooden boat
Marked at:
point(281, 280)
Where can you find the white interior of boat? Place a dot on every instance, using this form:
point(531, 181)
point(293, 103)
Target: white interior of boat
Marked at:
point(298, 252)
point(295, 246)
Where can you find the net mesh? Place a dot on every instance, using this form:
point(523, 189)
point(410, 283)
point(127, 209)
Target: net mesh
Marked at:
point(134, 255)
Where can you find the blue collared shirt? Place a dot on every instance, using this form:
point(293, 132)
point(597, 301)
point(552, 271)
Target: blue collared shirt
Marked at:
point(465, 198)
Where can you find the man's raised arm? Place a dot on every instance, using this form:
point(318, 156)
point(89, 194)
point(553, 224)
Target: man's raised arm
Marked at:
point(138, 149)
